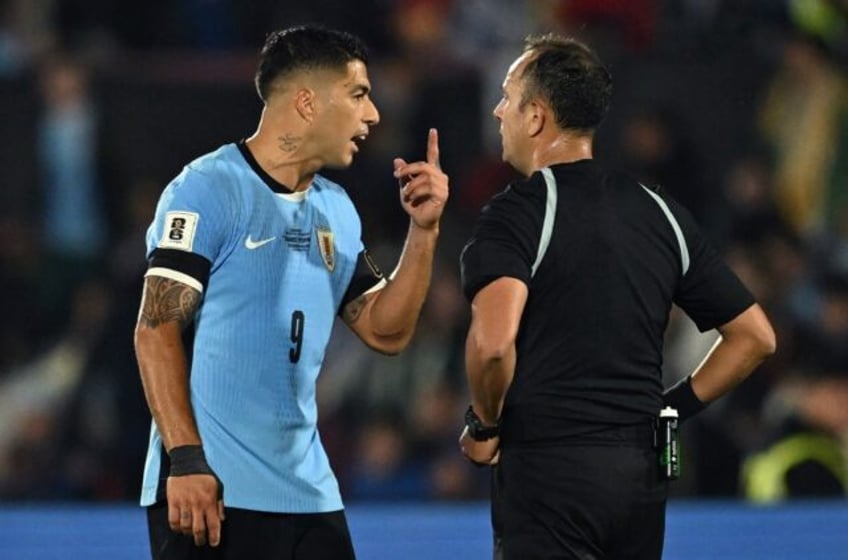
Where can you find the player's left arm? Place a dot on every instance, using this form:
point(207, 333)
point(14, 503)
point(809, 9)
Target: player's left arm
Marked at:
point(385, 318)
point(194, 493)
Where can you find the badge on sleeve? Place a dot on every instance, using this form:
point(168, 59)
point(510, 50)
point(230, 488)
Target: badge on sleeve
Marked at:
point(180, 228)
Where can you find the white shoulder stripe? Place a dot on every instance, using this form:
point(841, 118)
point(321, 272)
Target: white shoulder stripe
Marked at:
point(550, 217)
point(174, 275)
point(681, 241)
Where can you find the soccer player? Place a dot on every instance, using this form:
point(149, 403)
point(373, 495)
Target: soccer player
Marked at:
point(571, 275)
point(258, 253)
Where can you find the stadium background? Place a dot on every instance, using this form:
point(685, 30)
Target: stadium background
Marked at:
point(738, 108)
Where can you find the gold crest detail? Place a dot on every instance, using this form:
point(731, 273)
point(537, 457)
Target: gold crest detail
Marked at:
point(327, 248)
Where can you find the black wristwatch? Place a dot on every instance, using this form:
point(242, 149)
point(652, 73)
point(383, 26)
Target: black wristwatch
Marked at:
point(477, 430)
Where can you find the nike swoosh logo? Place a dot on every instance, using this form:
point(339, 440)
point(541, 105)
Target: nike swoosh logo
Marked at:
point(251, 244)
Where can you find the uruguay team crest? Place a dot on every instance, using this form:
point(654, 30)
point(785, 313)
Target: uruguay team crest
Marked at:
point(326, 247)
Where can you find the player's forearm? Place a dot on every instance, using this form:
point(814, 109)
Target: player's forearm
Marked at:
point(164, 374)
point(395, 311)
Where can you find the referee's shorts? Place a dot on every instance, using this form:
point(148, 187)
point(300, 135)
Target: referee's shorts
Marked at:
point(256, 535)
point(593, 500)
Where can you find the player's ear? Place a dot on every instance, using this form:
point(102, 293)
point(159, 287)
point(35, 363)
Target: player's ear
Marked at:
point(304, 103)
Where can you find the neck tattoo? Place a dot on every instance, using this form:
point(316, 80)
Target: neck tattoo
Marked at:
point(288, 142)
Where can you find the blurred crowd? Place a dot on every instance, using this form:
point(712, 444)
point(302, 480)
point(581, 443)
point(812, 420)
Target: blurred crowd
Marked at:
point(738, 108)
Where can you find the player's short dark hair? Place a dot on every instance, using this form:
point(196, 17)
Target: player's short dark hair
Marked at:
point(306, 47)
point(570, 77)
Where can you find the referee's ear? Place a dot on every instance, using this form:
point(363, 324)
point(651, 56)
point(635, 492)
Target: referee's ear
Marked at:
point(535, 117)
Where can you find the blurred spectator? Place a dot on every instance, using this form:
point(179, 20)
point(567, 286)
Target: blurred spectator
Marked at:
point(827, 19)
point(804, 118)
point(444, 89)
point(18, 273)
point(821, 340)
point(382, 468)
point(658, 149)
point(750, 210)
point(26, 32)
point(74, 416)
point(106, 421)
point(484, 35)
point(432, 435)
point(74, 219)
point(34, 397)
point(805, 416)
point(12, 48)
point(805, 457)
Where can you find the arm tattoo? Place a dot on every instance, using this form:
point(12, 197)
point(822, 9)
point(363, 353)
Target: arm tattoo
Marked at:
point(167, 300)
point(288, 142)
point(353, 310)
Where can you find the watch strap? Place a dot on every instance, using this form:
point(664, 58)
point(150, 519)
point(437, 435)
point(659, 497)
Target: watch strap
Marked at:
point(477, 430)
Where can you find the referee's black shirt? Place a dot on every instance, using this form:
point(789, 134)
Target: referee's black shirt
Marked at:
point(604, 258)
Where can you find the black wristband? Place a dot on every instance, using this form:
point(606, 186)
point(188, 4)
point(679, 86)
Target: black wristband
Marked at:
point(189, 459)
point(681, 397)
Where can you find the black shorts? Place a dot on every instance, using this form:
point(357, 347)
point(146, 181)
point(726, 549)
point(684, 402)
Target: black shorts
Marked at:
point(256, 535)
point(587, 502)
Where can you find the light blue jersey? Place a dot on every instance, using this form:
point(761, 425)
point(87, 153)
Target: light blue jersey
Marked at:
point(280, 267)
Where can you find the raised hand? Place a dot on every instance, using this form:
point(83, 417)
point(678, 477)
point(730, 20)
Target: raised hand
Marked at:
point(424, 186)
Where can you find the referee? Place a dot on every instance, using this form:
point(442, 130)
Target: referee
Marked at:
point(571, 274)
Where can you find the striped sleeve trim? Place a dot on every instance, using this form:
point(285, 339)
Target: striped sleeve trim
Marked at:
point(681, 241)
point(377, 287)
point(550, 218)
point(174, 275)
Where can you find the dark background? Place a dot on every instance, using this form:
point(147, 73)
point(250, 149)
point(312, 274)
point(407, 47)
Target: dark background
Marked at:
point(711, 100)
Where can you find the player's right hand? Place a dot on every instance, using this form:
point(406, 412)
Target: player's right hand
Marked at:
point(196, 507)
point(423, 185)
